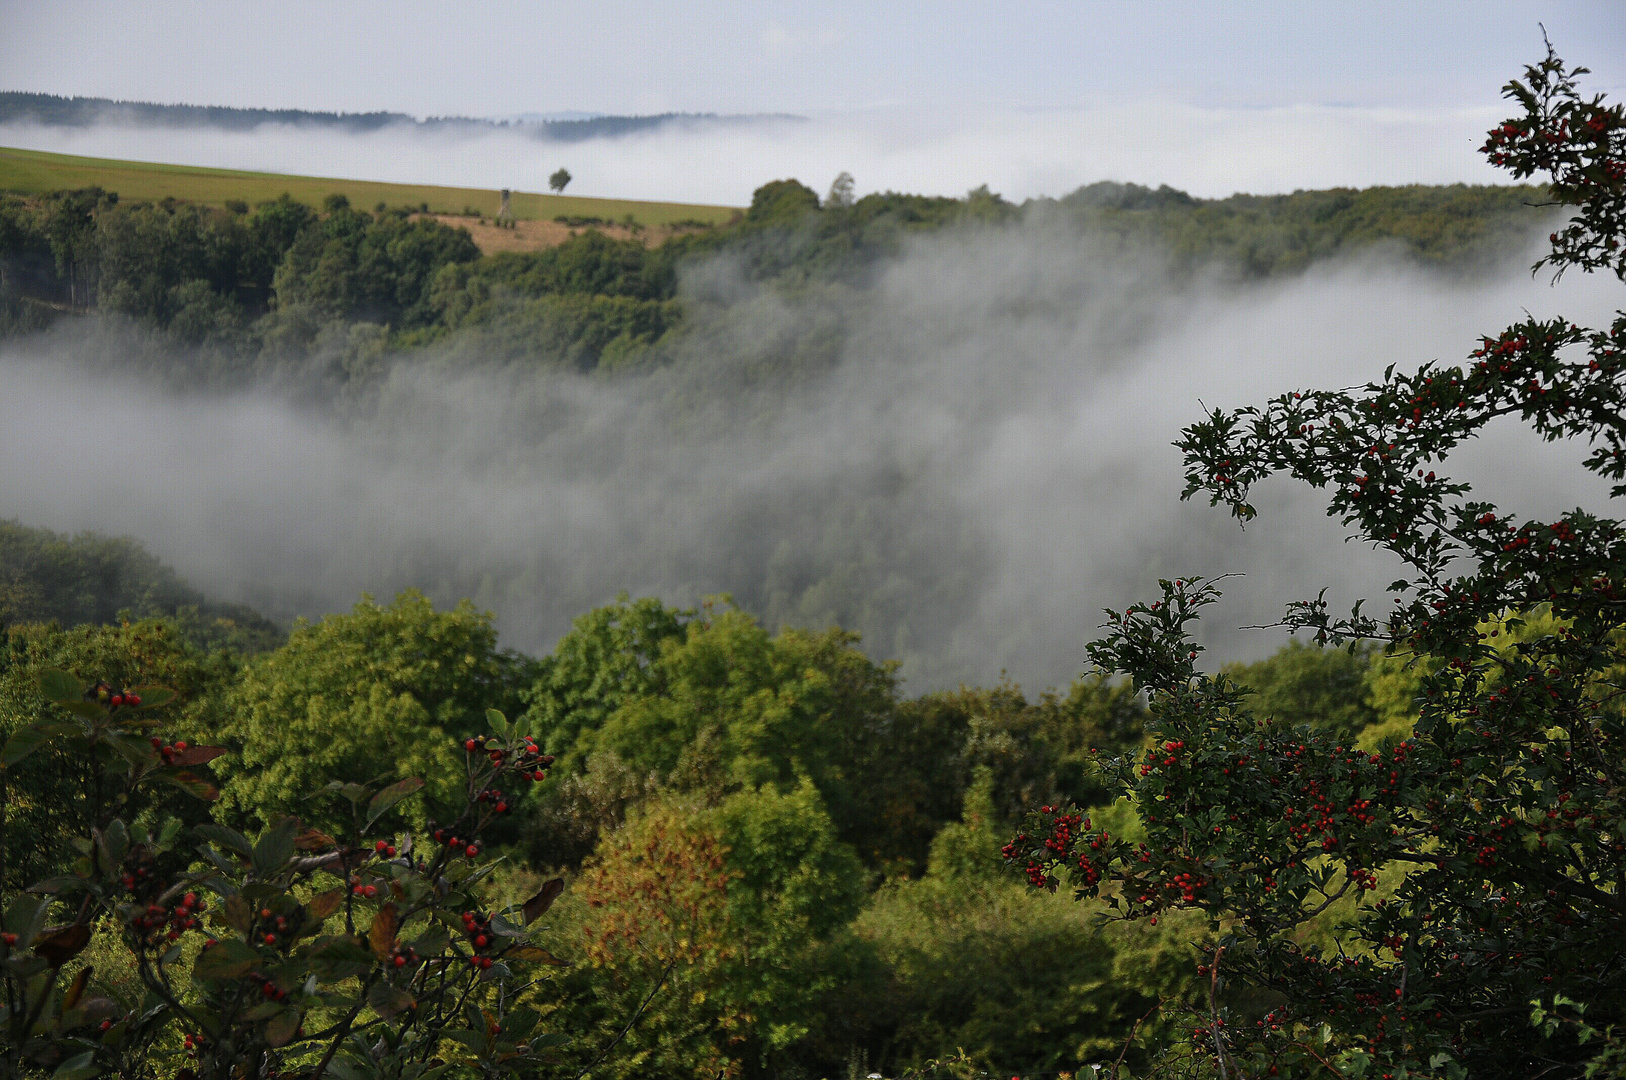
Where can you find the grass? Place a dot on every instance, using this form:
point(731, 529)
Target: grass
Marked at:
point(34, 172)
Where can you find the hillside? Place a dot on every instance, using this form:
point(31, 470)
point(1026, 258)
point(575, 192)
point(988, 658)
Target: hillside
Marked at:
point(34, 172)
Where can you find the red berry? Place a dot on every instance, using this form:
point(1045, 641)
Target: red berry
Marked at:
point(180, 744)
point(469, 745)
point(481, 941)
point(118, 699)
point(400, 961)
point(270, 939)
point(135, 699)
point(502, 808)
point(380, 847)
point(471, 851)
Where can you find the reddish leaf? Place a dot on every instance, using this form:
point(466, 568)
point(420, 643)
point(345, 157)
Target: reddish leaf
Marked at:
point(536, 905)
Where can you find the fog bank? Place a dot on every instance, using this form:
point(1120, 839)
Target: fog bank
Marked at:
point(985, 467)
point(1211, 152)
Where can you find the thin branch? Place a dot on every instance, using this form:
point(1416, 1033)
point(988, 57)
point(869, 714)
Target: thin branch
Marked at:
point(591, 1065)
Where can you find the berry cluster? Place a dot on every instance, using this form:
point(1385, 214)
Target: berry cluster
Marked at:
point(478, 931)
point(158, 923)
point(112, 698)
point(167, 751)
point(530, 762)
point(454, 842)
point(274, 928)
point(366, 892)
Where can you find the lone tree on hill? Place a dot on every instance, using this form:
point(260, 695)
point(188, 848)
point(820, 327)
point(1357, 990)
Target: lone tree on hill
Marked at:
point(559, 180)
point(1476, 868)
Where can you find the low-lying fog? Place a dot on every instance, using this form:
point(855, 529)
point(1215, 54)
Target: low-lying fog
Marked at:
point(1210, 152)
point(986, 469)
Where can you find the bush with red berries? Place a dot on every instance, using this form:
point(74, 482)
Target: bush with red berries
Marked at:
point(295, 953)
point(1478, 866)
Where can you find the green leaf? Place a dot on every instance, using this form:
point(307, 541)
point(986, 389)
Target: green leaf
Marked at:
point(280, 1030)
point(60, 686)
point(276, 847)
point(230, 839)
point(88, 709)
point(229, 959)
point(498, 722)
point(153, 696)
point(58, 885)
point(390, 796)
point(81, 1066)
point(25, 741)
point(389, 1001)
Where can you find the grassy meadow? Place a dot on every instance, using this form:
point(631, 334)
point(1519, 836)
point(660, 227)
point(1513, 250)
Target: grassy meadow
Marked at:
point(34, 172)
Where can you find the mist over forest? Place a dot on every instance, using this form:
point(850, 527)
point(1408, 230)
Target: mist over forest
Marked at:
point(954, 438)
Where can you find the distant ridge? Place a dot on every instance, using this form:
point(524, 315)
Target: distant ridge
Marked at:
point(53, 110)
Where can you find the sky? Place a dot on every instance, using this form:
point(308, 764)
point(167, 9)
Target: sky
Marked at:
point(503, 57)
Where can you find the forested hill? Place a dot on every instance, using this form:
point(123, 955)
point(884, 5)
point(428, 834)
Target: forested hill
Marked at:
point(94, 579)
point(55, 111)
point(251, 287)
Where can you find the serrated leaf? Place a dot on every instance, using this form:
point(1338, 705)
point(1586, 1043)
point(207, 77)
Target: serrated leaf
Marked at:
point(197, 755)
point(81, 1066)
point(324, 904)
point(388, 1000)
point(314, 840)
point(23, 742)
point(230, 839)
point(533, 954)
point(281, 1028)
point(238, 914)
point(60, 944)
point(498, 722)
point(194, 785)
point(229, 959)
point(275, 848)
point(538, 905)
point(76, 989)
point(390, 796)
point(58, 685)
point(56, 886)
point(153, 696)
point(382, 935)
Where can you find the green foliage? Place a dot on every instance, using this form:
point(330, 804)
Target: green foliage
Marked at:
point(1021, 985)
point(1478, 859)
point(781, 202)
point(732, 909)
point(1307, 684)
point(608, 659)
point(1455, 226)
point(379, 693)
point(48, 797)
point(351, 265)
point(318, 955)
point(49, 578)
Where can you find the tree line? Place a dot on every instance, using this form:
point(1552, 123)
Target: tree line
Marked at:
point(276, 283)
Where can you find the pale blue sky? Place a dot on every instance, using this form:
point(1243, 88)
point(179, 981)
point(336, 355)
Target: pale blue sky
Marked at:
point(503, 57)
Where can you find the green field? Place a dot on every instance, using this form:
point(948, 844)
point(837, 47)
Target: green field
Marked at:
point(34, 172)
